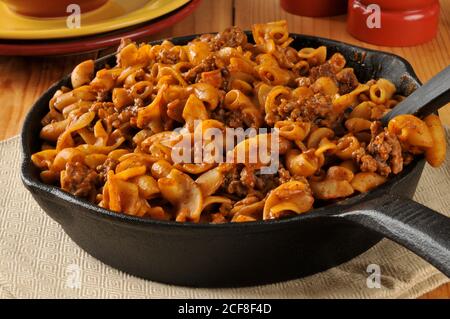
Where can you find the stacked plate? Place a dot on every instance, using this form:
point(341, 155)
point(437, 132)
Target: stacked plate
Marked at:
point(21, 34)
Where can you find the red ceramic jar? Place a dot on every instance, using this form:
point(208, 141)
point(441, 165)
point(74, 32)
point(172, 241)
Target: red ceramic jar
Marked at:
point(316, 8)
point(403, 23)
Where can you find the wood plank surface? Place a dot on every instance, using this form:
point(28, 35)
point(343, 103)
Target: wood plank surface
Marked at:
point(24, 79)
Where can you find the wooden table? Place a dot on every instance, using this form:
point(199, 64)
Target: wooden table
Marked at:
point(23, 80)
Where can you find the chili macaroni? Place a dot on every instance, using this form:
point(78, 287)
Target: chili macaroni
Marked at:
point(109, 138)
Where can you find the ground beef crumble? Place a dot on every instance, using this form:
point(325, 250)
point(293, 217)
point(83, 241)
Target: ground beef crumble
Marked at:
point(231, 37)
point(317, 108)
point(114, 118)
point(323, 70)
point(79, 179)
point(208, 64)
point(383, 154)
point(243, 181)
point(347, 81)
point(109, 165)
point(233, 119)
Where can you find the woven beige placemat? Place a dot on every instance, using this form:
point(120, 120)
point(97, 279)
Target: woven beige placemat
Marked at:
point(38, 260)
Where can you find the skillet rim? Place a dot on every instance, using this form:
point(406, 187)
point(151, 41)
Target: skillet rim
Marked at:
point(54, 193)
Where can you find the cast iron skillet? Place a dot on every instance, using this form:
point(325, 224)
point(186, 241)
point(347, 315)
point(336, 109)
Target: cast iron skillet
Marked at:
point(240, 254)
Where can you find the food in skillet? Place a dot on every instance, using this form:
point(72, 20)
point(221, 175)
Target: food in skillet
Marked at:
point(111, 137)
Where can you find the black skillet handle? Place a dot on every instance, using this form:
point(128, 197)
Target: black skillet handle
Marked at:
point(426, 99)
point(410, 224)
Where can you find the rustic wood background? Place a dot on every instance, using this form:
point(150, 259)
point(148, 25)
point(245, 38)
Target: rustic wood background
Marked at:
point(24, 79)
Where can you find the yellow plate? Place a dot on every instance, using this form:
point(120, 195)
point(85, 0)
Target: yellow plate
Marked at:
point(115, 14)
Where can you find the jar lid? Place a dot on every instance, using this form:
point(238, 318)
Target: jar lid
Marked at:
point(393, 27)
